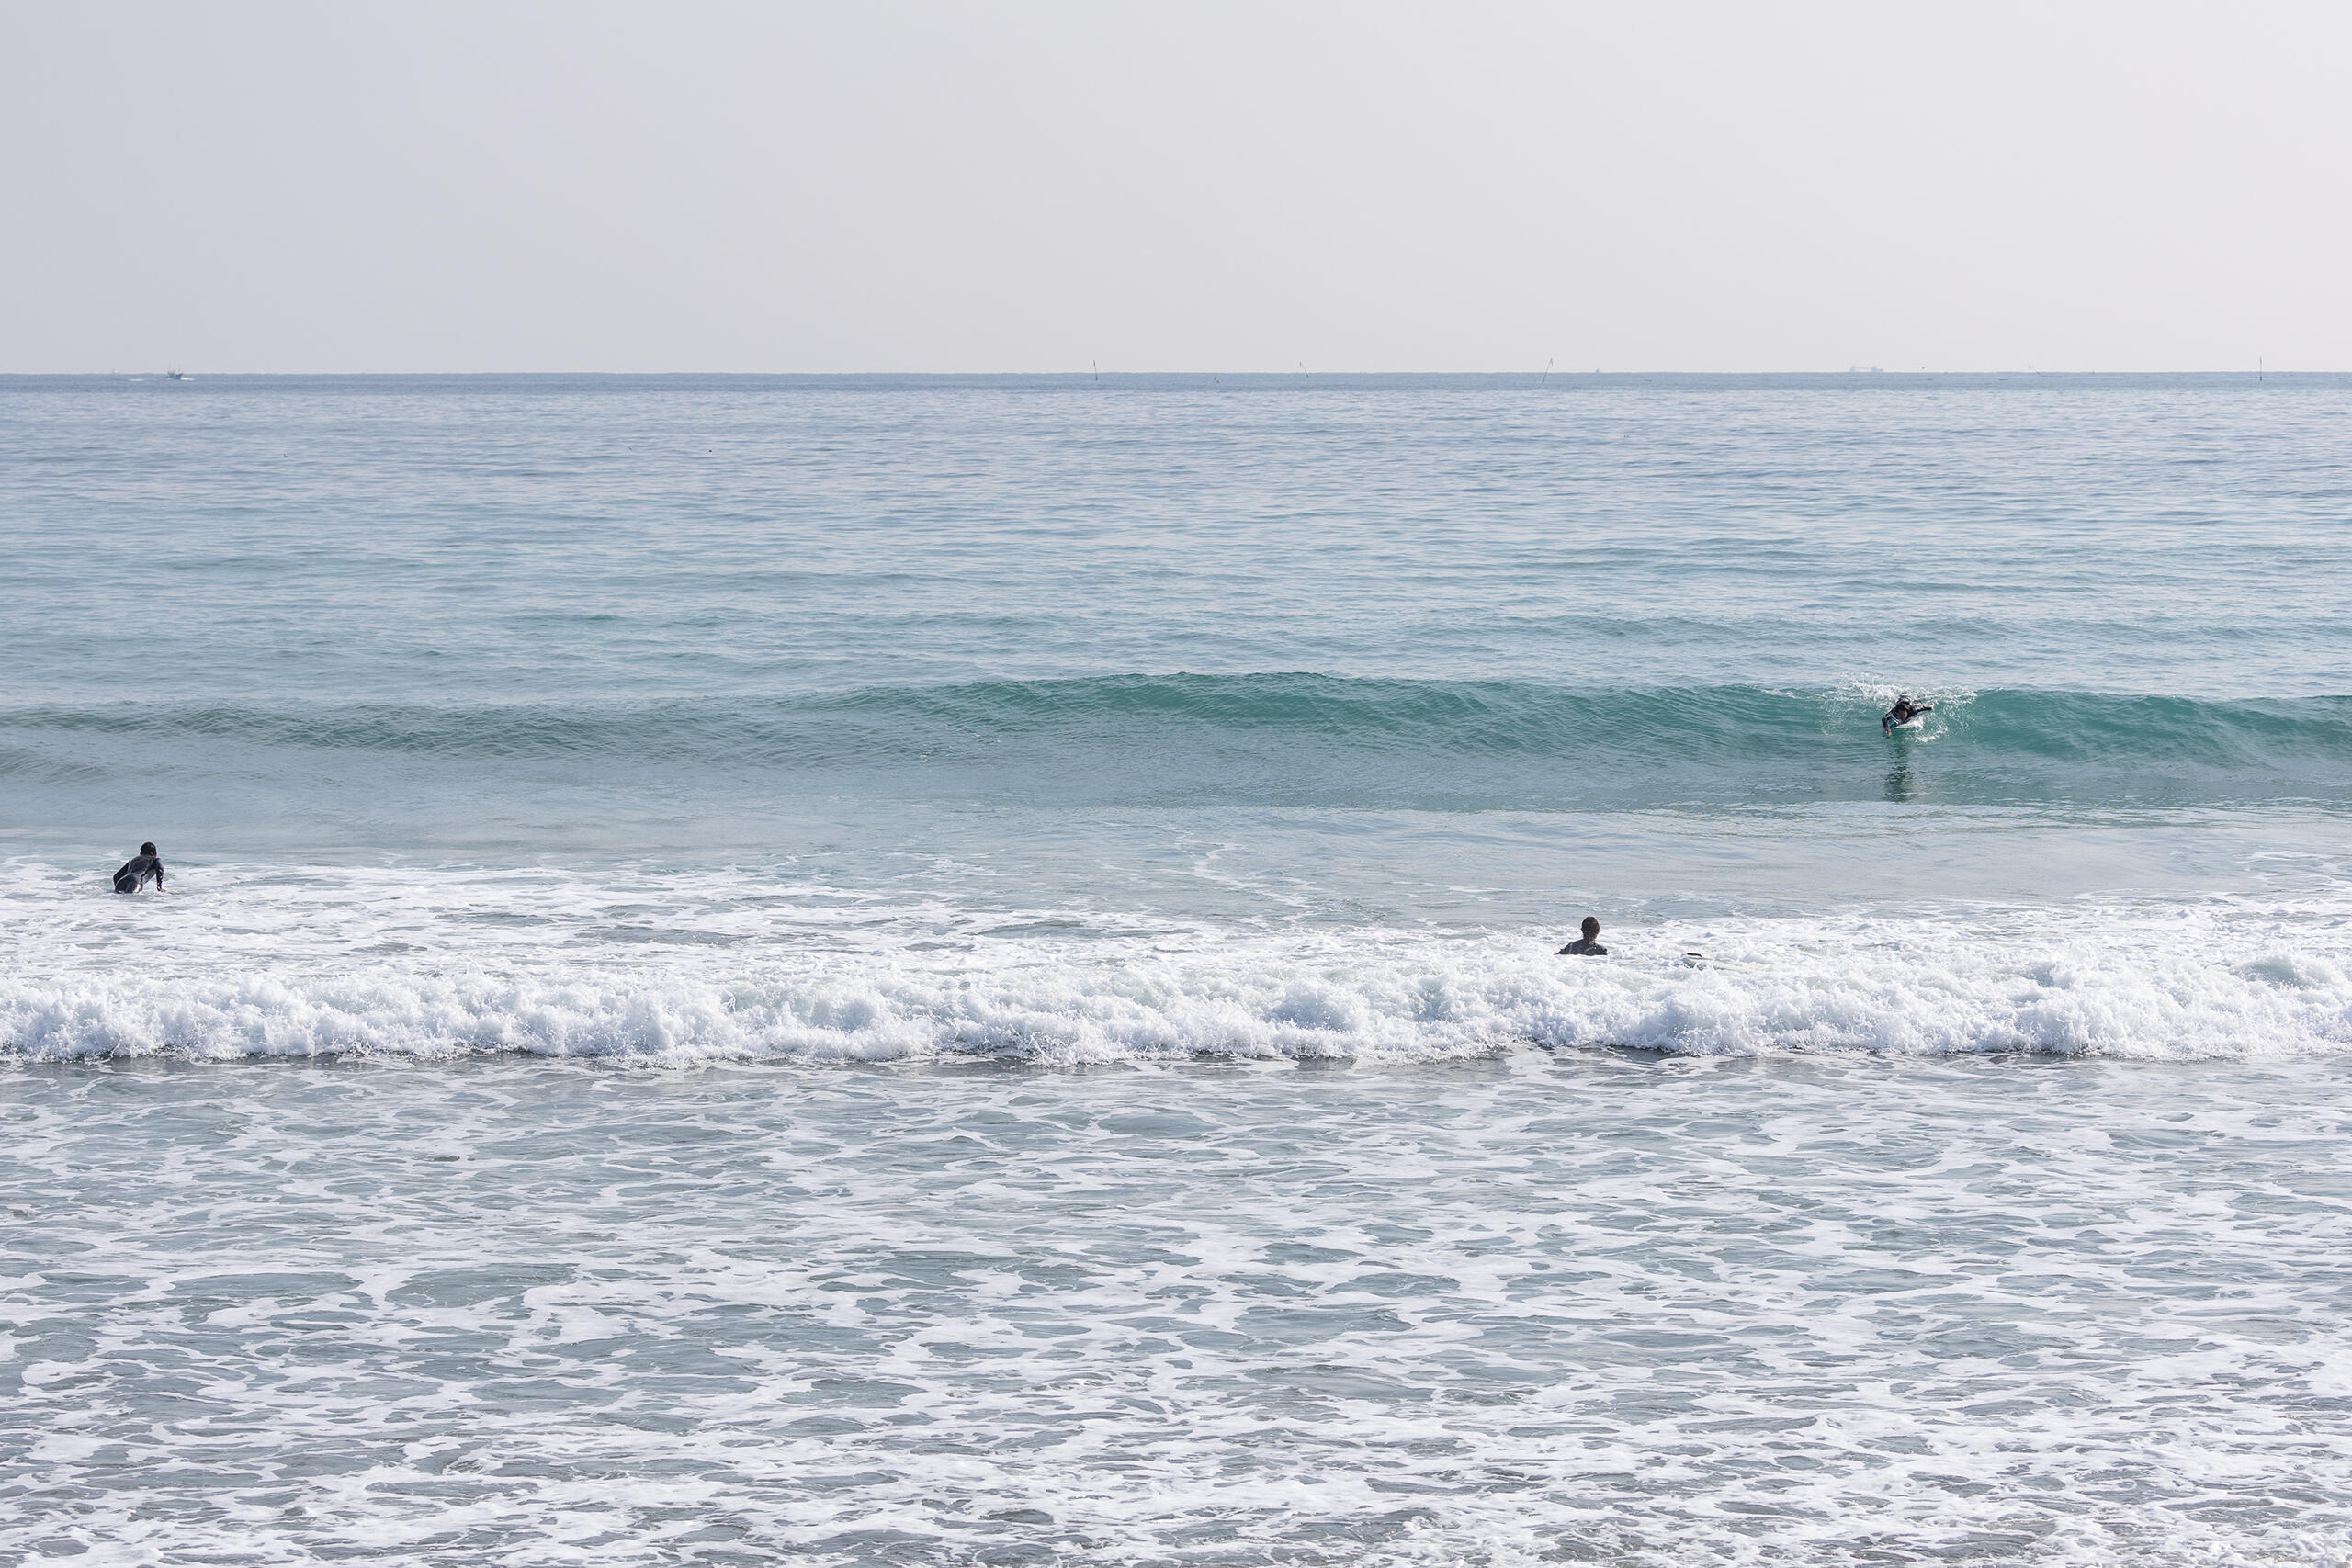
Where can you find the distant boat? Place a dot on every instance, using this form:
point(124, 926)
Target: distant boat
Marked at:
point(173, 375)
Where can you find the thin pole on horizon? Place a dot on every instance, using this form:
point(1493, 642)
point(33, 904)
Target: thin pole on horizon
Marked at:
point(1547, 375)
point(1097, 367)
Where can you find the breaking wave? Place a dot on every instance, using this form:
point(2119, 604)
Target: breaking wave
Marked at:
point(1297, 737)
point(2207, 985)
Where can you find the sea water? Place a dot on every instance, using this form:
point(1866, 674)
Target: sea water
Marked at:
point(960, 970)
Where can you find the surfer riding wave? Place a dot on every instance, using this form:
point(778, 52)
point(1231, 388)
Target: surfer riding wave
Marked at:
point(1904, 711)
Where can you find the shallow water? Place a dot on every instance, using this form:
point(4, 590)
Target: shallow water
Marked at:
point(1532, 1308)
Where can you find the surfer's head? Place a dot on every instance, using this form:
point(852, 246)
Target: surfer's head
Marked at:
point(147, 849)
point(1591, 926)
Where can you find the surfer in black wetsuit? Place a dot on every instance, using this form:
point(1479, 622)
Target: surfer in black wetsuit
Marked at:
point(138, 869)
point(1904, 711)
point(1587, 945)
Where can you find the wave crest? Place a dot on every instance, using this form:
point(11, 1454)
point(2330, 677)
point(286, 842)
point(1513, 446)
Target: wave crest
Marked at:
point(1905, 988)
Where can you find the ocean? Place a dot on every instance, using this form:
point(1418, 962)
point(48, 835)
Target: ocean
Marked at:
point(961, 970)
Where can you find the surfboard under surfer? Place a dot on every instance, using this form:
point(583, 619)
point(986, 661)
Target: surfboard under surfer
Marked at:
point(139, 869)
point(1904, 711)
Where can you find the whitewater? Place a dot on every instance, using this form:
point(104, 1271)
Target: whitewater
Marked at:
point(961, 969)
point(653, 968)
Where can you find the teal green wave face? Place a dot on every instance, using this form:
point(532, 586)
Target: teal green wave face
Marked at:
point(1256, 739)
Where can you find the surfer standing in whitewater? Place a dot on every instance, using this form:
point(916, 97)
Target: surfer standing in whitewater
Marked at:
point(1904, 711)
point(139, 869)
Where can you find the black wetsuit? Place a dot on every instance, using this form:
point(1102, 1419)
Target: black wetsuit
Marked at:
point(136, 871)
point(1584, 947)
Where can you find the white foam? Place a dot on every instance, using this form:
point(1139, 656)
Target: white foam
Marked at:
point(1510, 1313)
point(666, 969)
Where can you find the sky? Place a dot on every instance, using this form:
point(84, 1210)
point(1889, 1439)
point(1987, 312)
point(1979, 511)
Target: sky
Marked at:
point(878, 186)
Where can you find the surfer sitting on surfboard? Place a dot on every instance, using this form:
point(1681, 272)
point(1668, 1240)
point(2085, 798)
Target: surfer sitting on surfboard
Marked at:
point(1904, 711)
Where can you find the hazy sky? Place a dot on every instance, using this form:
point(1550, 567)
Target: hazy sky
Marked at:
point(1367, 187)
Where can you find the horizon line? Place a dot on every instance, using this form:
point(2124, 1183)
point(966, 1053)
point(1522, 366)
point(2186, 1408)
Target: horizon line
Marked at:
point(173, 370)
